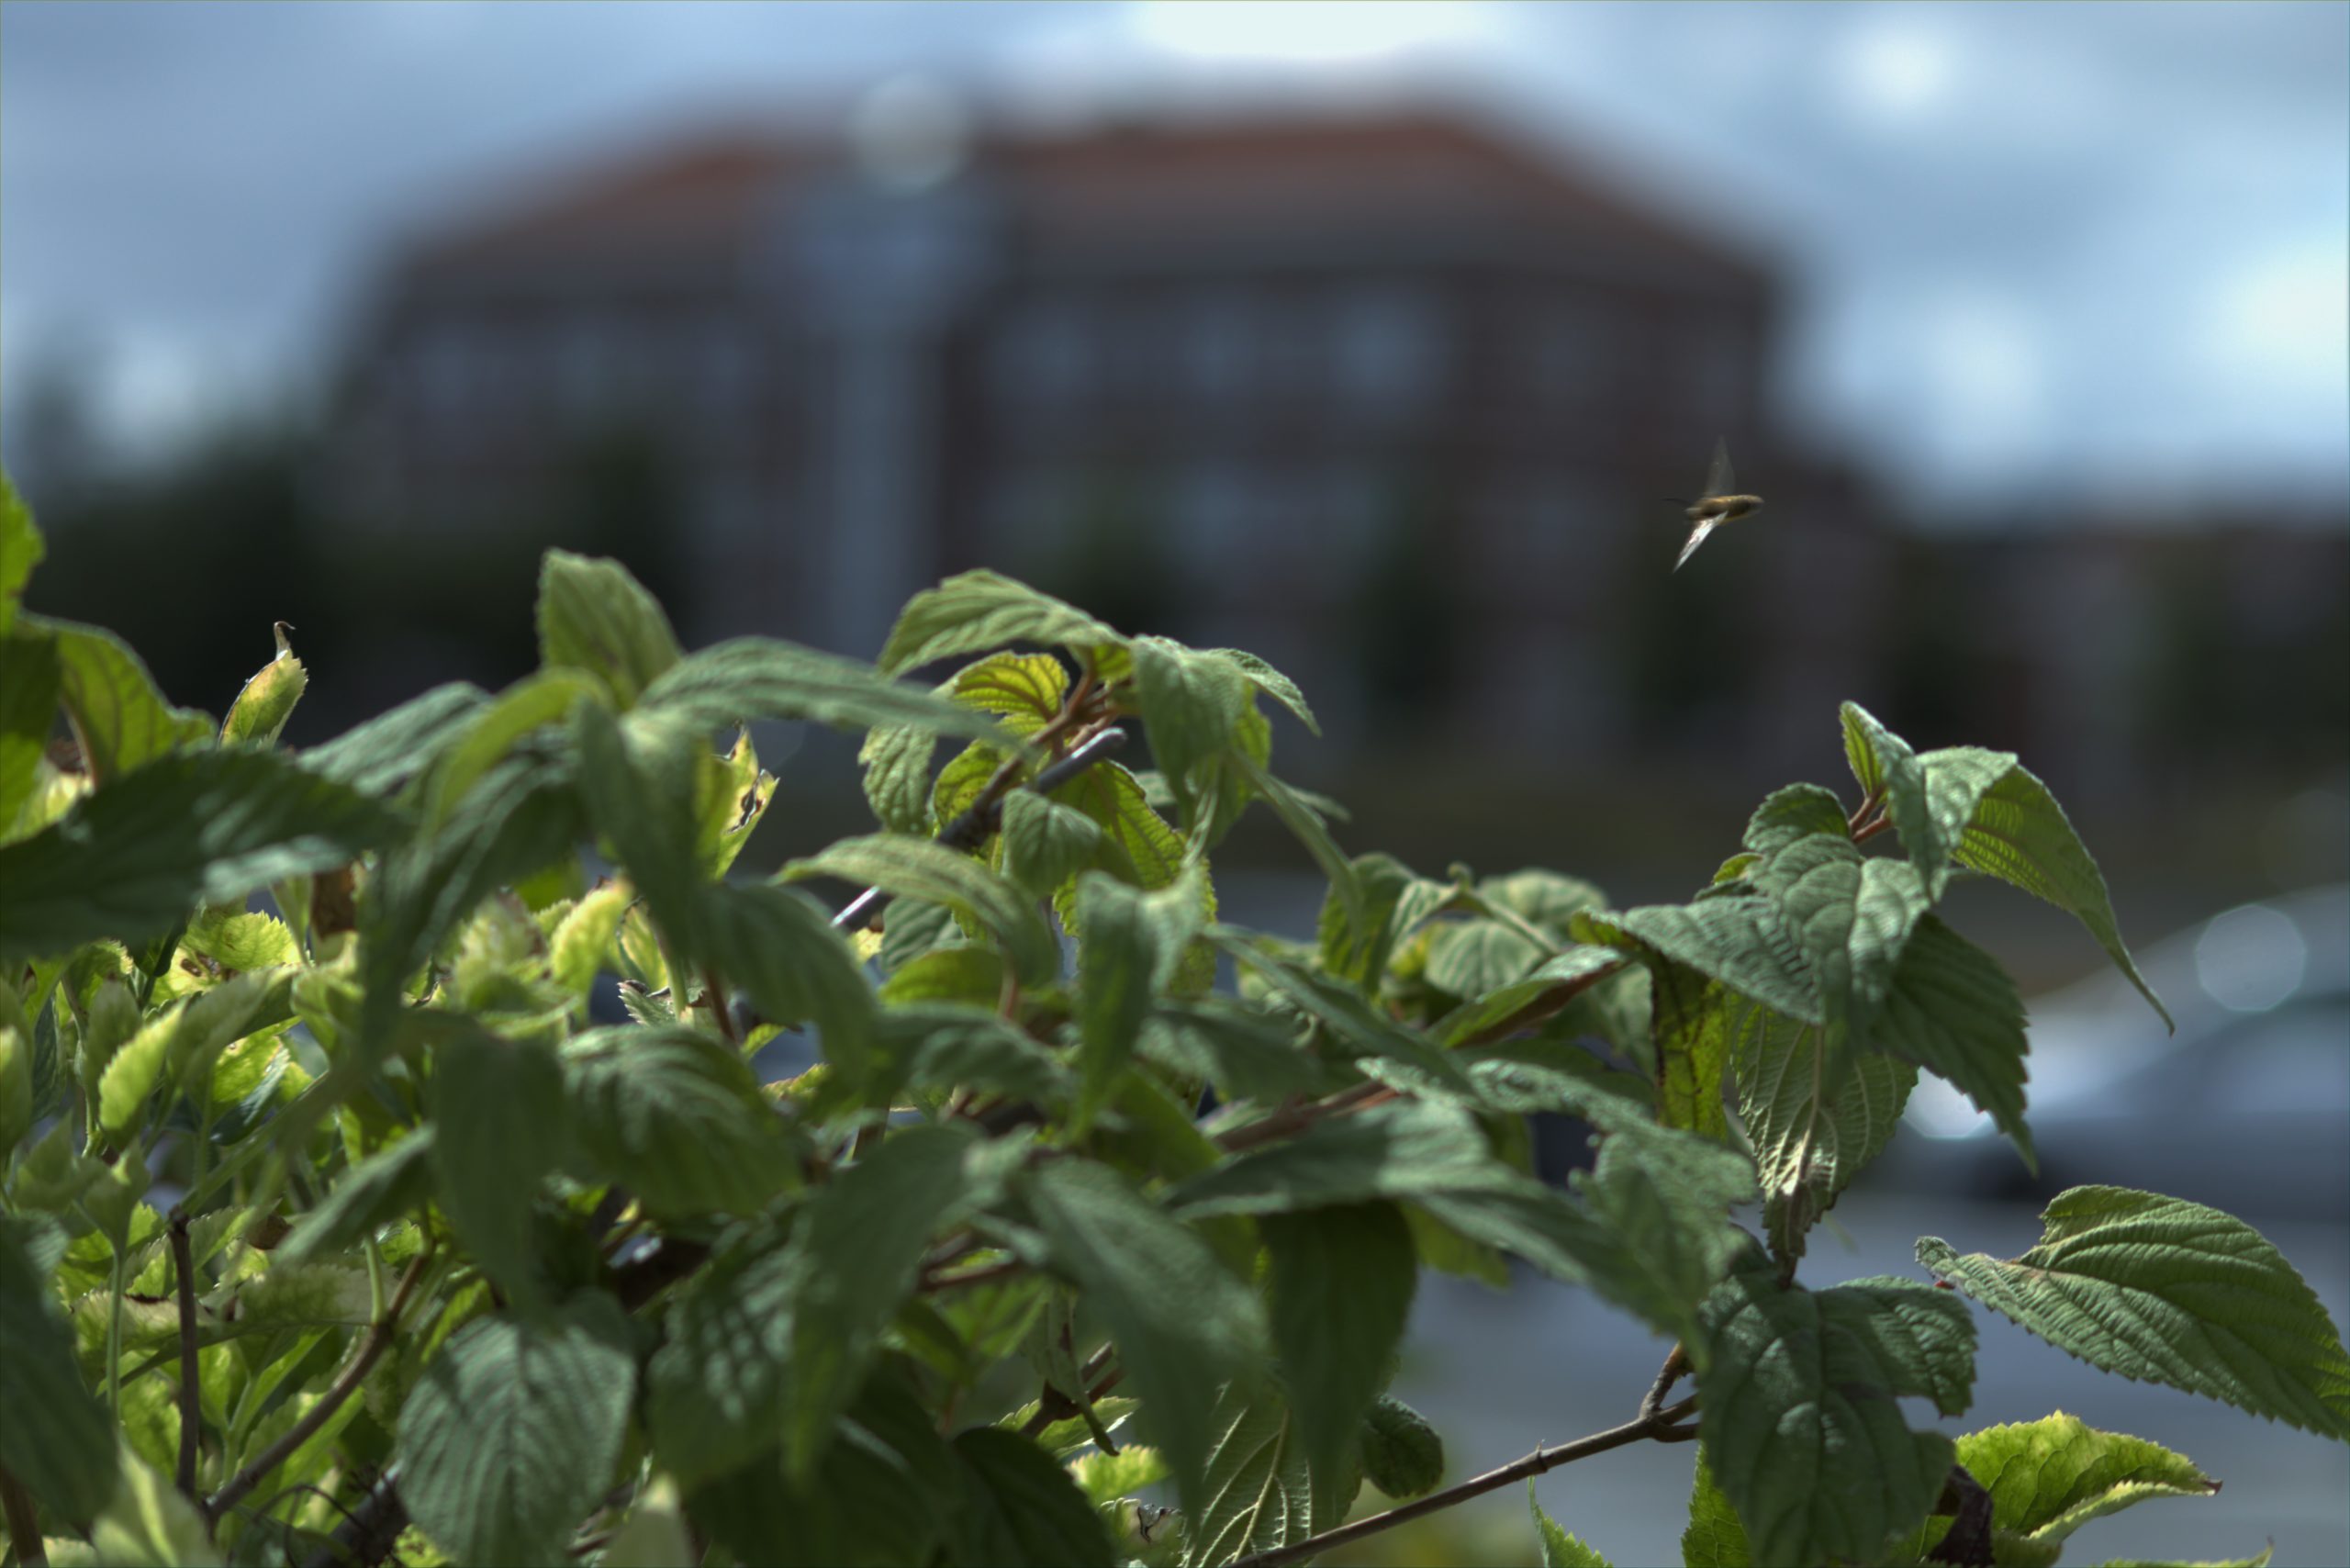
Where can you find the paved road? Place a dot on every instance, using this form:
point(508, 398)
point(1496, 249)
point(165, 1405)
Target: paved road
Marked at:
point(1500, 1373)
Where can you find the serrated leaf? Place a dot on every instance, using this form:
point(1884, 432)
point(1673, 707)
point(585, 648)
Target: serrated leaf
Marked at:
point(1402, 1455)
point(1472, 957)
point(1272, 683)
point(29, 688)
point(1953, 1011)
point(237, 940)
point(371, 1194)
point(748, 679)
point(501, 1111)
point(1138, 844)
point(1394, 902)
point(948, 1047)
point(132, 859)
point(148, 1524)
point(58, 1439)
point(979, 611)
point(594, 616)
point(1192, 704)
point(1365, 1032)
point(381, 755)
point(1742, 942)
point(1559, 1549)
point(1794, 812)
point(920, 868)
point(715, 1391)
point(1342, 1280)
point(778, 945)
point(677, 1119)
point(1713, 1538)
point(1809, 1142)
point(1402, 1149)
point(1181, 1323)
point(1801, 1427)
point(21, 549)
point(1025, 690)
point(118, 715)
point(1853, 918)
point(896, 760)
point(2049, 1477)
point(583, 940)
point(2160, 1290)
point(512, 1434)
point(860, 1242)
point(258, 715)
point(1547, 986)
point(485, 735)
point(1929, 801)
point(1129, 943)
point(2019, 835)
point(1245, 1054)
point(1021, 1506)
point(1258, 1494)
point(1046, 842)
point(1106, 1477)
point(1304, 824)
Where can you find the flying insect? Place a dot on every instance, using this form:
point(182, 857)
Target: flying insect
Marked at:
point(1715, 504)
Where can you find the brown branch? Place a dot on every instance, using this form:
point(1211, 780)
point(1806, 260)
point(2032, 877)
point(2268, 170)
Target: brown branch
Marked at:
point(1676, 1363)
point(1296, 1118)
point(191, 1385)
point(23, 1522)
point(1869, 803)
point(371, 1346)
point(1549, 1005)
point(1662, 1425)
point(713, 995)
point(1054, 1406)
point(1878, 826)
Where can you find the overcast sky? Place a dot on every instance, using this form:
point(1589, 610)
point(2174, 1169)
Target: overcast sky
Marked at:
point(2094, 252)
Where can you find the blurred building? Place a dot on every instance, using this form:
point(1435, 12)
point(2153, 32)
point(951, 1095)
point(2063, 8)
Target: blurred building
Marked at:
point(1388, 400)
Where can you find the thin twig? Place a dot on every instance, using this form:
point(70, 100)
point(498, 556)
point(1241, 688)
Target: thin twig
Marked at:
point(713, 995)
point(1054, 1406)
point(1662, 1424)
point(191, 1386)
point(1676, 1362)
point(1869, 803)
point(23, 1522)
point(367, 1531)
point(1878, 826)
point(371, 1346)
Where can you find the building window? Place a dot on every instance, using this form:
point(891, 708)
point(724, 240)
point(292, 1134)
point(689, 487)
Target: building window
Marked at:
point(1575, 353)
point(1387, 345)
point(1045, 353)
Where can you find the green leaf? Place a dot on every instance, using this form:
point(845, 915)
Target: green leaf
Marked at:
point(258, 715)
point(1475, 958)
point(1797, 812)
point(1740, 941)
point(581, 945)
point(513, 1433)
point(1808, 1141)
point(488, 734)
point(1138, 846)
point(238, 940)
point(381, 755)
point(21, 550)
point(677, 1119)
point(1046, 842)
point(1342, 1284)
point(58, 1439)
point(715, 1391)
point(1541, 992)
point(1690, 1016)
point(954, 1046)
point(1559, 1549)
point(1192, 704)
point(371, 1194)
point(1798, 1411)
point(1025, 690)
point(1259, 1493)
point(748, 679)
point(118, 713)
point(919, 869)
point(1399, 1149)
point(1129, 943)
point(499, 1109)
point(1366, 1032)
point(976, 612)
point(778, 945)
point(859, 1244)
point(1931, 799)
point(1181, 1323)
point(594, 616)
point(149, 1523)
point(1953, 1011)
point(1272, 683)
point(172, 1044)
point(2160, 1290)
point(29, 688)
point(521, 815)
point(1714, 1538)
point(1851, 917)
point(1021, 1506)
point(896, 759)
point(1304, 824)
point(1395, 902)
point(1402, 1455)
point(1247, 1054)
point(2049, 1477)
point(133, 857)
point(2019, 835)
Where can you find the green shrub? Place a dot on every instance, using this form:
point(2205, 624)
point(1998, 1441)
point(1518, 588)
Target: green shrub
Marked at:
point(451, 1271)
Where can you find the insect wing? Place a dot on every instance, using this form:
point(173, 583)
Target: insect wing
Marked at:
point(1718, 480)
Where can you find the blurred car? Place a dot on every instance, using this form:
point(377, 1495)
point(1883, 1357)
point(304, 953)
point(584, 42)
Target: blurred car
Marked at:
point(2246, 1108)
